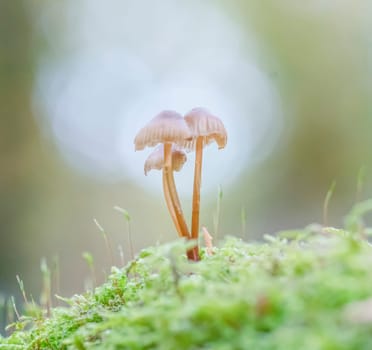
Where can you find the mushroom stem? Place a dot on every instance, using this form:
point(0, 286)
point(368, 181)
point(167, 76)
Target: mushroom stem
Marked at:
point(196, 190)
point(172, 213)
point(192, 254)
point(172, 199)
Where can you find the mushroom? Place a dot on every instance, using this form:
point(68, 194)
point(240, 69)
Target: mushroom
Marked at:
point(156, 161)
point(205, 128)
point(167, 128)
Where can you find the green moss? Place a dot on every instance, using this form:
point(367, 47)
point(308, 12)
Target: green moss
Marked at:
point(286, 293)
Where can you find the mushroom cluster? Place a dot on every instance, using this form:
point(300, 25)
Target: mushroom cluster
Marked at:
point(173, 135)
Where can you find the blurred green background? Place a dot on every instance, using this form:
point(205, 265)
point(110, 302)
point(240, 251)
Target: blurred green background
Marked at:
point(291, 81)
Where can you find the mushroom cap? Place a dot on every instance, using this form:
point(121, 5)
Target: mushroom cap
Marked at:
point(203, 123)
point(167, 126)
point(156, 159)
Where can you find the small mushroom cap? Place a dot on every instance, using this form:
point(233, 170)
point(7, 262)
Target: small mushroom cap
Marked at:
point(167, 126)
point(203, 123)
point(156, 159)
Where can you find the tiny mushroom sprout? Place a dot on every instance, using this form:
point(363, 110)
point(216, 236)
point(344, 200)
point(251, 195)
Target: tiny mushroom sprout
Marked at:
point(156, 159)
point(168, 128)
point(205, 128)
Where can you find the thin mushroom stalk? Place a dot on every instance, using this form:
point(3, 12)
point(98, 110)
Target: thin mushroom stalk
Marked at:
point(193, 253)
point(190, 253)
point(205, 128)
point(172, 191)
point(170, 207)
point(156, 161)
point(174, 206)
point(196, 191)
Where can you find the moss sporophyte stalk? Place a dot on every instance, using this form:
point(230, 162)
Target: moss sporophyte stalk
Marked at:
point(173, 132)
point(301, 289)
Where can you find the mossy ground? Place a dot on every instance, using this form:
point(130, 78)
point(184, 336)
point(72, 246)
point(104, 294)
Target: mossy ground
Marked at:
point(306, 289)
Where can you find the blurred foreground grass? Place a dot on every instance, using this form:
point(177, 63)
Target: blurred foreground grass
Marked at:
point(302, 289)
